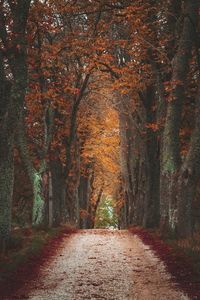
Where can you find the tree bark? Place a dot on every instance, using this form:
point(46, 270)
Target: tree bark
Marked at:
point(84, 197)
point(94, 208)
point(170, 160)
point(13, 103)
point(152, 160)
point(188, 179)
point(6, 187)
point(58, 191)
point(72, 184)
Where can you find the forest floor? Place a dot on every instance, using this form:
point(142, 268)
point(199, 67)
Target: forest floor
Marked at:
point(181, 258)
point(28, 250)
point(101, 264)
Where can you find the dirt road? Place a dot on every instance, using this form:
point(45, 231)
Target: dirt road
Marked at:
point(103, 264)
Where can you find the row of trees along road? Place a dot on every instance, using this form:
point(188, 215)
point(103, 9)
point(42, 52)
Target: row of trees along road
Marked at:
point(99, 97)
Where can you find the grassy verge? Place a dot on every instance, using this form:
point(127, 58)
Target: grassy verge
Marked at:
point(23, 245)
point(182, 258)
point(190, 249)
point(28, 249)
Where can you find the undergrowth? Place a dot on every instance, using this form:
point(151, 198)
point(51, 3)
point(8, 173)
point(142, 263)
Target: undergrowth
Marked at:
point(24, 244)
point(189, 248)
point(27, 251)
point(181, 258)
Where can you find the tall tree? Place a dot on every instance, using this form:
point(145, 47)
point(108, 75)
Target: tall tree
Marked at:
point(13, 70)
point(171, 159)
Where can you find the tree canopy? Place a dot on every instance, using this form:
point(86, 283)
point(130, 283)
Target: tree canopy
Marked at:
point(99, 99)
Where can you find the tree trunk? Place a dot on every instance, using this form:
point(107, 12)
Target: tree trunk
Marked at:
point(93, 207)
point(12, 103)
point(170, 161)
point(38, 211)
point(84, 198)
point(6, 187)
point(72, 184)
point(58, 191)
point(151, 160)
point(188, 179)
point(123, 165)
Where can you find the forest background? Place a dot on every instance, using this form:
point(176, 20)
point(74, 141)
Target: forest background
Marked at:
point(100, 99)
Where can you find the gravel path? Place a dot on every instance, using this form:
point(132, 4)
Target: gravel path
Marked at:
point(103, 264)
